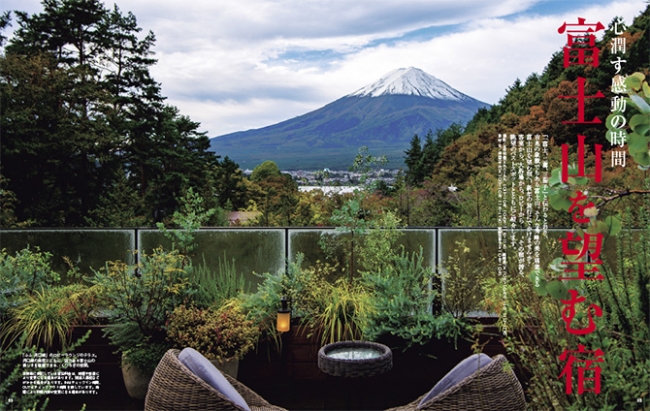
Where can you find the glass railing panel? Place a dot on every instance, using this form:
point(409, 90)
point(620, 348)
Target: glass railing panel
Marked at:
point(253, 250)
point(85, 248)
point(333, 247)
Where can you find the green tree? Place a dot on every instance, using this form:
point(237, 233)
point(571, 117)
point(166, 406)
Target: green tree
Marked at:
point(434, 149)
point(265, 170)
point(5, 21)
point(278, 201)
point(421, 160)
point(475, 204)
point(176, 159)
point(120, 206)
point(41, 126)
point(429, 158)
point(351, 218)
point(413, 161)
point(229, 185)
point(191, 216)
point(78, 100)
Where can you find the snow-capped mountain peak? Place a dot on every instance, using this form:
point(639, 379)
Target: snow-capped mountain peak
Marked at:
point(410, 81)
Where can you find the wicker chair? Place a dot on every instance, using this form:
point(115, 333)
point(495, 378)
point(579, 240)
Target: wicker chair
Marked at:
point(493, 387)
point(174, 387)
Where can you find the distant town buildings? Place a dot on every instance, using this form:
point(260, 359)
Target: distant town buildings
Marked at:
point(334, 178)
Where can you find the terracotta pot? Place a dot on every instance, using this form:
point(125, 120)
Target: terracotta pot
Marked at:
point(228, 366)
point(135, 381)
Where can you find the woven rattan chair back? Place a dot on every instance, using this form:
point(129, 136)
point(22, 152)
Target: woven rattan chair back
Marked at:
point(494, 387)
point(174, 387)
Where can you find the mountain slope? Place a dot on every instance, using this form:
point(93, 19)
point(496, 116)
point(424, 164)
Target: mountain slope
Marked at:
point(383, 116)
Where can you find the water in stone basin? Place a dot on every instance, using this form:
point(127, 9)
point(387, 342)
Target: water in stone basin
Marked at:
point(354, 353)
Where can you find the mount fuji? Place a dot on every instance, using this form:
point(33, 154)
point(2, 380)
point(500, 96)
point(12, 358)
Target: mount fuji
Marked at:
point(383, 116)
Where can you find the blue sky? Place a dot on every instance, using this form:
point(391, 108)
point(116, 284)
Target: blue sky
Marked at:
point(234, 65)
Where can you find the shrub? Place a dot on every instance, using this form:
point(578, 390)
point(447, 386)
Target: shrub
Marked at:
point(216, 333)
point(215, 287)
point(49, 315)
point(23, 274)
point(402, 297)
point(140, 297)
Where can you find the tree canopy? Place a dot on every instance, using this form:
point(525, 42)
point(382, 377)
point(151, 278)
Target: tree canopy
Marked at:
point(85, 124)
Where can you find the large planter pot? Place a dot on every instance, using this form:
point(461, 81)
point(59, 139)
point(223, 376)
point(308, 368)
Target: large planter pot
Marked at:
point(135, 381)
point(228, 366)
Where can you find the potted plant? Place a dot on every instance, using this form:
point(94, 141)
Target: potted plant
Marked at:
point(138, 364)
point(37, 314)
point(404, 296)
point(223, 334)
point(46, 317)
point(138, 299)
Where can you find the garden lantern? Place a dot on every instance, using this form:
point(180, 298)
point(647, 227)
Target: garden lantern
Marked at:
point(284, 316)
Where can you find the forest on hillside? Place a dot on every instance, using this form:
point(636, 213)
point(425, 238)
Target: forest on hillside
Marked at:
point(89, 141)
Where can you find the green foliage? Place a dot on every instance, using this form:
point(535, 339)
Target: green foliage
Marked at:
point(23, 274)
point(215, 287)
point(304, 289)
point(79, 101)
point(421, 161)
point(363, 163)
point(49, 315)
point(367, 245)
point(218, 333)
point(145, 356)
point(537, 336)
point(262, 306)
point(34, 311)
point(295, 284)
point(402, 297)
point(189, 218)
point(8, 203)
point(229, 185)
point(265, 170)
point(395, 299)
point(378, 248)
point(277, 199)
point(413, 161)
point(119, 206)
point(340, 311)
point(350, 224)
point(476, 205)
point(433, 205)
point(5, 19)
point(461, 274)
point(520, 97)
point(335, 311)
point(139, 297)
point(351, 220)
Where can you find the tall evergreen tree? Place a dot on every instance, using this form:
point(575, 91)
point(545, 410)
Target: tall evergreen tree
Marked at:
point(229, 185)
point(429, 155)
point(79, 107)
point(443, 139)
point(413, 161)
point(5, 21)
point(421, 160)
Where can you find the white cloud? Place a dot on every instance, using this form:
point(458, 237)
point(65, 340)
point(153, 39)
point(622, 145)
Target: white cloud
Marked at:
point(235, 65)
point(481, 60)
